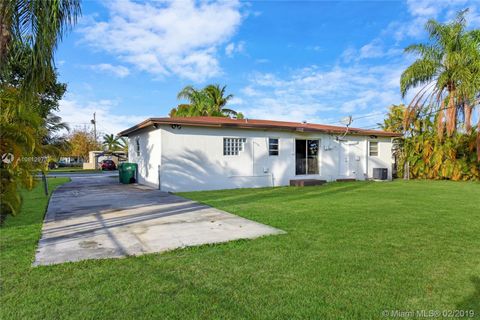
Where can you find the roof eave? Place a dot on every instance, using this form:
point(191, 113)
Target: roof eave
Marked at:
point(165, 121)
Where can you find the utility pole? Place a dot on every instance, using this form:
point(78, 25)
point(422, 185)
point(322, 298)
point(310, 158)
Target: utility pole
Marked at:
point(94, 122)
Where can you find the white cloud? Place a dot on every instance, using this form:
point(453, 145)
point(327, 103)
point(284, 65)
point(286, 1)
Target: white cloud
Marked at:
point(473, 17)
point(235, 101)
point(166, 38)
point(349, 54)
point(233, 48)
point(79, 114)
point(414, 28)
point(229, 49)
point(314, 48)
point(249, 91)
point(116, 70)
point(423, 10)
point(372, 50)
point(262, 61)
point(359, 89)
point(323, 95)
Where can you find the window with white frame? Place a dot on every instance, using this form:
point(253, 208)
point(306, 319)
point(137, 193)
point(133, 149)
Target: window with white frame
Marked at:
point(233, 146)
point(373, 150)
point(137, 146)
point(273, 146)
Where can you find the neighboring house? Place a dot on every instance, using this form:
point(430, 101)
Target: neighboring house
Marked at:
point(206, 153)
point(96, 157)
point(69, 161)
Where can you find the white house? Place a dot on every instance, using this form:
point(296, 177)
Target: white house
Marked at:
point(206, 153)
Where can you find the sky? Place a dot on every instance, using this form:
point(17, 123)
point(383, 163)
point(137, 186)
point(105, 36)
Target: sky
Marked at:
point(314, 61)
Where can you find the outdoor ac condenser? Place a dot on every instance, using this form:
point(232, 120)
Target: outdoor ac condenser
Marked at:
point(380, 173)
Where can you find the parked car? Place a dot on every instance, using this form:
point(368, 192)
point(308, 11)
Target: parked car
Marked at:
point(108, 165)
point(52, 164)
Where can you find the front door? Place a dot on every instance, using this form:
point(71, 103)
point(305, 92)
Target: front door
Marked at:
point(346, 160)
point(306, 156)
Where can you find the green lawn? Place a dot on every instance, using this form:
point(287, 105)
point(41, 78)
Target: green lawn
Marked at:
point(351, 251)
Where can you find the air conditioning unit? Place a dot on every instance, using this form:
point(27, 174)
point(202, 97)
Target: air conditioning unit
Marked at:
point(380, 173)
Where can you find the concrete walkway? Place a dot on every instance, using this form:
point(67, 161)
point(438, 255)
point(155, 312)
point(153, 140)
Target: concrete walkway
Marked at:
point(96, 217)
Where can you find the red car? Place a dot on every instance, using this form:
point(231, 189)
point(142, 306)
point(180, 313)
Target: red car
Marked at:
point(108, 165)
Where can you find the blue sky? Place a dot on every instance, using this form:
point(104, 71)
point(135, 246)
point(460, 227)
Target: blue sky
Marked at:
point(288, 60)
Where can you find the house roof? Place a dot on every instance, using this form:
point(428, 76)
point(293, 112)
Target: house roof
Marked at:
point(222, 122)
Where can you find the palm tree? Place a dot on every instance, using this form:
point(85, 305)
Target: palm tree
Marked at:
point(111, 142)
point(123, 144)
point(218, 100)
point(182, 110)
point(41, 25)
point(198, 102)
point(29, 33)
point(21, 134)
point(54, 123)
point(447, 71)
point(210, 101)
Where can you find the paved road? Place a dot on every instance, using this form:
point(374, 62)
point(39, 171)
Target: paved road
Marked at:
point(94, 217)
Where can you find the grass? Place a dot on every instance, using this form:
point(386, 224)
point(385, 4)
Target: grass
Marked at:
point(73, 170)
point(351, 251)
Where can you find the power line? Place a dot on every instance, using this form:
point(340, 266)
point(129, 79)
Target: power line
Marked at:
point(73, 122)
point(370, 127)
point(363, 117)
point(427, 114)
point(437, 111)
point(434, 112)
point(370, 115)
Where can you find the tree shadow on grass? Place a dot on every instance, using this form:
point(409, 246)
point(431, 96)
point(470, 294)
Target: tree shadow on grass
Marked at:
point(472, 302)
point(283, 194)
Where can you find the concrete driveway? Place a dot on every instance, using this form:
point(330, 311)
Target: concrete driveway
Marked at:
point(95, 217)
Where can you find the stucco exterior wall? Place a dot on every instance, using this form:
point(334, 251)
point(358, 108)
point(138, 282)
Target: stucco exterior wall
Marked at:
point(384, 158)
point(191, 158)
point(149, 159)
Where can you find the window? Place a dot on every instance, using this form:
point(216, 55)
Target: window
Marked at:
point(306, 156)
point(273, 146)
point(373, 149)
point(137, 146)
point(233, 146)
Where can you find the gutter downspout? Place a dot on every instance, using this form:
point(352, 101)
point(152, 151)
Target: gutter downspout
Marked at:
point(367, 143)
point(253, 156)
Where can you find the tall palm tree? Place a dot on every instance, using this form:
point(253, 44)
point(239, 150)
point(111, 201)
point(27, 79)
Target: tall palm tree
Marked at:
point(41, 25)
point(210, 101)
point(30, 31)
point(198, 102)
point(447, 71)
point(218, 100)
point(111, 142)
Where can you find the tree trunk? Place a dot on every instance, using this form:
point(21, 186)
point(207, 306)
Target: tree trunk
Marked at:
point(478, 136)
point(468, 117)
point(5, 36)
point(451, 119)
point(440, 122)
